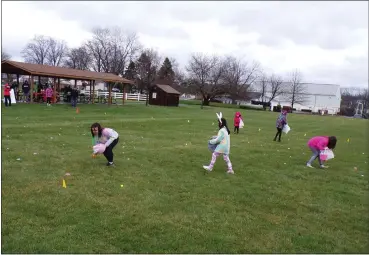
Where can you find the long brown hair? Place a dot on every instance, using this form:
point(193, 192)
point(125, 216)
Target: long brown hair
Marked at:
point(99, 128)
point(332, 141)
point(223, 123)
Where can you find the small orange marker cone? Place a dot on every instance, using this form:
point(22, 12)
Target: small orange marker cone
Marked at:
point(64, 184)
point(77, 110)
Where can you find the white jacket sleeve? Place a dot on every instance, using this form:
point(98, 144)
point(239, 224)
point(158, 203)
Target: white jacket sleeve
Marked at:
point(112, 134)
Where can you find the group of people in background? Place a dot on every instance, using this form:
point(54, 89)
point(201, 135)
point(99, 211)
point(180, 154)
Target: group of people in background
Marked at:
point(26, 93)
point(222, 141)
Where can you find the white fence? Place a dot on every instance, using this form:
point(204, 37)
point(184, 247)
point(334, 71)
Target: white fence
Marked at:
point(116, 95)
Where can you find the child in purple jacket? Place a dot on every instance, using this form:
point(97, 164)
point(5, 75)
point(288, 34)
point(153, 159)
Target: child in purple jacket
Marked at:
point(281, 121)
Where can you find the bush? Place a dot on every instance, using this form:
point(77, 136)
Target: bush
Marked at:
point(277, 108)
point(346, 111)
point(306, 110)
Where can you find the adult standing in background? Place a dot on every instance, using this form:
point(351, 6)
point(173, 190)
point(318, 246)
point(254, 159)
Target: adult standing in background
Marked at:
point(25, 89)
point(74, 96)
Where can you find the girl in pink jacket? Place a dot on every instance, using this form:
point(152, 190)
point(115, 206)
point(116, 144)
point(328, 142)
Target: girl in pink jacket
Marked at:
point(319, 143)
point(49, 95)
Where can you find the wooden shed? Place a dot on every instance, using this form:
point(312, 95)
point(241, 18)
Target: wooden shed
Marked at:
point(164, 95)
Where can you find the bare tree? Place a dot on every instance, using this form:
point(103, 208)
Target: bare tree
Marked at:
point(57, 52)
point(37, 50)
point(78, 58)
point(205, 75)
point(5, 55)
point(112, 49)
point(276, 87)
point(296, 91)
point(263, 84)
point(239, 76)
point(147, 67)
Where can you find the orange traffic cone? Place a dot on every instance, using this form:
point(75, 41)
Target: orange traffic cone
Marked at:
point(77, 110)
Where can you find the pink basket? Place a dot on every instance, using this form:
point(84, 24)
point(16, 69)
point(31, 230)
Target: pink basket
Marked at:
point(99, 148)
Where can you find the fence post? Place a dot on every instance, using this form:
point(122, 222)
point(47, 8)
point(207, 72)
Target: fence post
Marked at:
point(138, 97)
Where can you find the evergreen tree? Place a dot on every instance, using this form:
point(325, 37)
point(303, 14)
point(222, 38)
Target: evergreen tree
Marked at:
point(131, 71)
point(147, 66)
point(166, 74)
point(131, 74)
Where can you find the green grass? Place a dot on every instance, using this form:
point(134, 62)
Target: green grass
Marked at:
point(273, 203)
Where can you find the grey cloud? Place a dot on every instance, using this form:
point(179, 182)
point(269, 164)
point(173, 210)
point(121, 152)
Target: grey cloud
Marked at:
point(140, 17)
point(305, 23)
point(329, 25)
point(321, 23)
point(354, 73)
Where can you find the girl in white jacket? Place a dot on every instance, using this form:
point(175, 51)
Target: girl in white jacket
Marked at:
point(107, 136)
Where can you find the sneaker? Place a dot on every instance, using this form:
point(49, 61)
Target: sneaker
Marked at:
point(308, 165)
point(207, 168)
point(110, 164)
point(324, 167)
point(230, 172)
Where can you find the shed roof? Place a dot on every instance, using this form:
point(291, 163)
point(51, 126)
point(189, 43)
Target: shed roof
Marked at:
point(168, 89)
point(13, 67)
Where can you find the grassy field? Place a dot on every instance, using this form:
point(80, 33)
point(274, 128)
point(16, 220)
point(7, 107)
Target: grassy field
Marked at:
point(168, 204)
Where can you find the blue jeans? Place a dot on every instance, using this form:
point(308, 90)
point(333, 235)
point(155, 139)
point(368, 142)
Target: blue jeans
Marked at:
point(316, 154)
point(74, 101)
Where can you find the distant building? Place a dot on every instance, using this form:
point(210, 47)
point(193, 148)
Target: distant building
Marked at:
point(316, 97)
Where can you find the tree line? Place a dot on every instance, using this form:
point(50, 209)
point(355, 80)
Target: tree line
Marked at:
point(350, 97)
point(116, 51)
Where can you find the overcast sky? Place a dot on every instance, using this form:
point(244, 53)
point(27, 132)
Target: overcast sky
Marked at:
point(326, 41)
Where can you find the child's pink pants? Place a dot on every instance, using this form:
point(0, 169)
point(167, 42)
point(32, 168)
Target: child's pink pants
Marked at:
point(225, 157)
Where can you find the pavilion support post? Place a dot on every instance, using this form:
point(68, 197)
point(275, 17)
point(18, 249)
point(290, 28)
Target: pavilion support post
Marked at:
point(39, 81)
point(124, 92)
point(16, 92)
point(18, 81)
point(109, 99)
point(58, 85)
point(93, 91)
point(54, 91)
point(31, 94)
point(90, 91)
